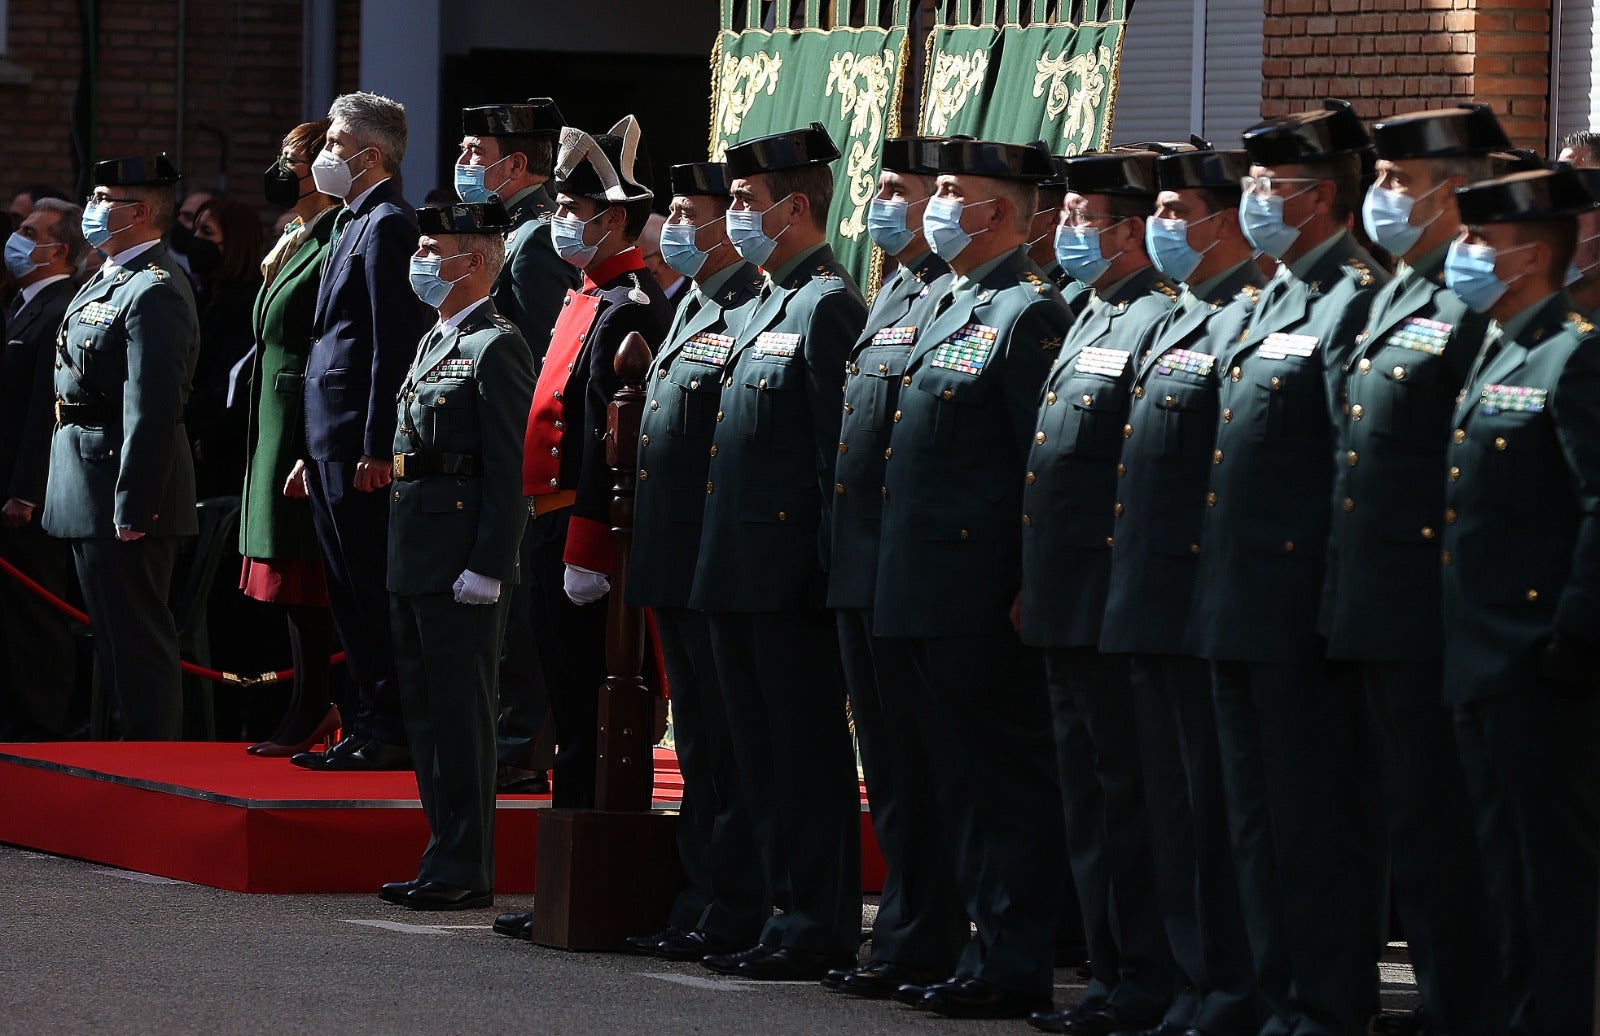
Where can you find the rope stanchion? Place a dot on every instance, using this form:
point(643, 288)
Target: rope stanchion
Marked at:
point(232, 679)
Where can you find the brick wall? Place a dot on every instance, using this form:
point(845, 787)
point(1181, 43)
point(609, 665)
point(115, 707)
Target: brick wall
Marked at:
point(242, 77)
point(1389, 56)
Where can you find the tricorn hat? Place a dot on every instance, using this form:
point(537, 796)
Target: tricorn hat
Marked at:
point(132, 172)
point(789, 150)
point(1029, 163)
point(1325, 132)
point(1535, 194)
point(1208, 168)
point(538, 117)
point(918, 155)
point(1127, 173)
point(1516, 160)
point(612, 166)
point(488, 218)
point(1470, 129)
point(701, 178)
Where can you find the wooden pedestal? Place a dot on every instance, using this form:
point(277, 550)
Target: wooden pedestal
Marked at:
point(603, 876)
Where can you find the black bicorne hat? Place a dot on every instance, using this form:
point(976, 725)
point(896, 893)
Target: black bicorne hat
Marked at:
point(1471, 129)
point(136, 171)
point(1325, 132)
point(918, 155)
point(1028, 163)
point(610, 167)
point(1208, 168)
point(490, 217)
point(1535, 194)
point(701, 178)
point(1127, 173)
point(538, 117)
point(1516, 160)
point(788, 150)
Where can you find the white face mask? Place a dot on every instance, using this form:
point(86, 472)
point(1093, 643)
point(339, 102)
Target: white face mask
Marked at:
point(332, 174)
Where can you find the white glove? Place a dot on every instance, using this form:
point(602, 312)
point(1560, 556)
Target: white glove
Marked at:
point(471, 588)
point(127, 535)
point(584, 586)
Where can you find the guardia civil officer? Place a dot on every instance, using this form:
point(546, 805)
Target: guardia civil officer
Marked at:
point(1068, 509)
point(949, 564)
point(761, 575)
point(726, 900)
point(1294, 740)
point(1381, 608)
point(921, 928)
point(121, 481)
point(1042, 238)
point(508, 153)
point(1194, 237)
point(1520, 586)
point(455, 522)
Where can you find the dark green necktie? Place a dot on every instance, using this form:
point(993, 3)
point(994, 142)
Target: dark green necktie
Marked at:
point(340, 221)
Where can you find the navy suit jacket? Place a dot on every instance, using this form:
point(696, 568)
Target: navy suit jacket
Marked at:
point(364, 332)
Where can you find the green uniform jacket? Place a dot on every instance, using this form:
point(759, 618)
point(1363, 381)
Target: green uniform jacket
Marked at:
point(468, 392)
point(271, 526)
point(535, 278)
point(1267, 519)
point(771, 475)
point(1069, 501)
point(675, 435)
point(1382, 598)
point(135, 340)
point(871, 393)
point(1165, 468)
point(1522, 555)
point(950, 560)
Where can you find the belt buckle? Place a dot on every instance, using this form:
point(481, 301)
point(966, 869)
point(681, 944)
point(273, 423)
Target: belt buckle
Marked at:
point(399, 465)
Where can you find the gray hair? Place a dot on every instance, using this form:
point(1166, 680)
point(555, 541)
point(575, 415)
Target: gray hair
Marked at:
point(491, 246)
point(68, 230)
point(375, 121)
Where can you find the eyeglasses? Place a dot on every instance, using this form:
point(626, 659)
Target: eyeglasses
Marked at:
point(1265, 185)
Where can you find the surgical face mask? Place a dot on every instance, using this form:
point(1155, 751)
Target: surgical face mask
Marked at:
point(679, 250)
point(886, 224)
point(470, 183)
point(749, 238)
point(567, 234)
point(1080, 254)
point(1261, 218)
point(1576, 273)
point(96, 222)
point(941, 224)
point(1167, 241)
point(280, 186)
point(332, 174)
point(1469, 272)
point(19, 254)
point(1386, 215)
point(426, 281)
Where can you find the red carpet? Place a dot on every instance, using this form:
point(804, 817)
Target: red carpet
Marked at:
point(214, 815)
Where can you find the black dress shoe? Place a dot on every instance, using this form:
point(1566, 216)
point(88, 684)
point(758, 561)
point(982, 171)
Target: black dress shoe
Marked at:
point(435, 895)
point(911, 993)
point(975, 998)
point(878, 980)
point(514, 926)
point(1101, 1021)
point(729, 963)
point(791, 965)
point(372, 756)
point(695, 945)
point(320, 760)
point(1400, 1023)
point(1164, 1029)
point(646, 944)
point(514, 780)
point(395, 891)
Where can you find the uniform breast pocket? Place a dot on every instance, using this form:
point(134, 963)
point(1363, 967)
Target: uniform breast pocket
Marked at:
point(102, 363)
point(449, 410)
point(1186, 415)
point(1413, 405)
point(1515, 450)
point(1096, 411)
point(951, 392)
point(775, 398)
point(95, 445)
point(1289, 401)
point(874, 385)
point(698, 387)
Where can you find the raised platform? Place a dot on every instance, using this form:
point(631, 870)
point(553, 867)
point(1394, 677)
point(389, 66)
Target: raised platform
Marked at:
point(214, 815)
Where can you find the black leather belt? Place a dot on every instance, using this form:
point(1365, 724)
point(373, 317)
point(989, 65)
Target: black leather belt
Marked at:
point(408, 467)
point(84, 413)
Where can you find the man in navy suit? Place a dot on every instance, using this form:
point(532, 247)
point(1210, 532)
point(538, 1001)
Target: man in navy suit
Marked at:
point(364, 333)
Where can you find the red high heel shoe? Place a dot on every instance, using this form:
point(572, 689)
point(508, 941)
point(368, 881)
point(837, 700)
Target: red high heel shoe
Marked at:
point(324, 733)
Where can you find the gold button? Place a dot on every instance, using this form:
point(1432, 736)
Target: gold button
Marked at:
point(1455, 473)
point(1352, 458)
point(963, 534)
point(1450, 516)
point(1116, 509)
point(1088, 400)
point(1169, 400)
point(713, 449)
point(1364, 366)
point(1532, 595)
point(655, 405)
point(397, 494)
point(883, 368)
point(1356, 411)
point(719, 415)
point(1039, 437)
point(1216, 457)
point(1288, 546)
point(709, 487)
point(1460, 436)
point(1127, 431)
point(843, 449)
point(1122, 469)
point(885, 491)
point(888, 452)
point(1050, 399)
point(1032, 478)
point(1236, 374)
point(1227, 414)
point(1349, 504)
point(838, 487)
point(441, 397)
point(762, 383)
point(1027, 521)
point(1211, 499)
point(1276, 383)
point(1446, 558)
point(644, 476)
point(694, 384)
point(897, 417)
point(644, 440)
point(1138, 392)
point(1399, 373)
point(460, 506)
point(1194, 548)
point(662, 373)
point(783, 516)
point(1500, 443)
point(906, 380)
point(727, 381)
point(853, 369)
point(1427, 532)
point(947, 394)
point(849, 409)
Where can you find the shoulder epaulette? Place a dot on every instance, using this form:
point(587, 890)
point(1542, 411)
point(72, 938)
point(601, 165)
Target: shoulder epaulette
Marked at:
point(502, 323)
point(1360, 271)
point(1166, 289)
point(825, 272)
point(156, 271)
point(1039, 284)
point(1579, 322)
point(1251, 293)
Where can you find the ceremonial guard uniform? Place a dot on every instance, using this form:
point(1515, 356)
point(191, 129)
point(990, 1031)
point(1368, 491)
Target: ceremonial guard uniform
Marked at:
point(761, 579)
point(457, 510)
point(1068, 509)
point(1521, 585)
point(949, 565)
point(564, 461)
point(1382, 602)
point(1164, 467)
point(119, 460)
point(726, 900)
point(1293, 740)
point(920, 929)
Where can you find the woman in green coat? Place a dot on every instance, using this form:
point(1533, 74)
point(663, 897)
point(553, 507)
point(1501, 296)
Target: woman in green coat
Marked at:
point(281, 563)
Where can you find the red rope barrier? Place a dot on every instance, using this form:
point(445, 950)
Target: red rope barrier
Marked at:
point(189, 667)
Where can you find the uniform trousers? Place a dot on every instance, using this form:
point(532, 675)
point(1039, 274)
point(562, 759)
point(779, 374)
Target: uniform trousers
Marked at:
point(1195, 876)
point(524, 701)
point(792, 742)
point(921, 923)
point(1108, 832)
point(726, 894)
point(1296, 765)
point(1436, 871)
point(37, 653)
point(125, 588)
point(352, 530)
point(980, 707)
point(447, 658)
point(1533, 773)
